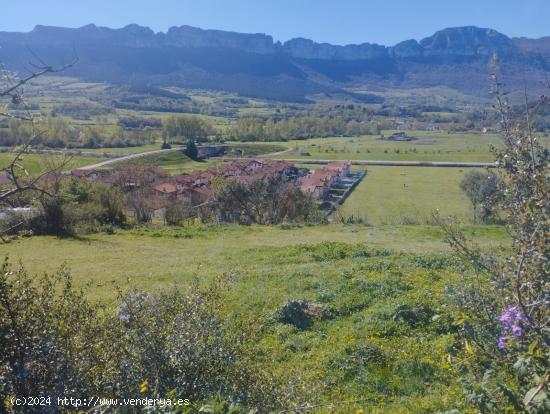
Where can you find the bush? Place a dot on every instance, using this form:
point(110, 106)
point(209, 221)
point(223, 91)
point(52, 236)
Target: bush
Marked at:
point(505, 304)
point(54, 217)
point(301, 314)
point(54, 342)
point(177, 213)
point(482, 190)
point(269, 201)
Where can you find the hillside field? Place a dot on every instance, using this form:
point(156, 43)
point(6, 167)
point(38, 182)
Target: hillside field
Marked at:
point(365, 276)
point(37, 163)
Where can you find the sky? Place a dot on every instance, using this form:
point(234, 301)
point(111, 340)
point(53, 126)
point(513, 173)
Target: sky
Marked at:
point(334, 21)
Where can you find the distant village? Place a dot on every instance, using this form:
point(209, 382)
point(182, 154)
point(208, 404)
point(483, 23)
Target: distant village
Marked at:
point(327, 185)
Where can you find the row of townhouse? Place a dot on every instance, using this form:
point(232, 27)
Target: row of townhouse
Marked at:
point(319, 182)
point(162, 191)
point(196, 187)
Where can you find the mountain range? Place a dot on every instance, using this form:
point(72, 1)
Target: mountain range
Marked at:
point(255, 65)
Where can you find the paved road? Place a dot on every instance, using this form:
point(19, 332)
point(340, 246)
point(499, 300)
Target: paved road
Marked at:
point(392, 163)
point(461, 164)
point(126, 158)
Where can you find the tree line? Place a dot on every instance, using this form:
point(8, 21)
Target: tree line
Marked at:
point(58, 132)
point(301, 127)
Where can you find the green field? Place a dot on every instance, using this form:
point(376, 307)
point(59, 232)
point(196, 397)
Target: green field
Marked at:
point(160, 256)
point(390, 342)
point(431, 146)
point(407, 195)
point(175, 162)
point(37, 163)
point(124, 150)
point(364, 275)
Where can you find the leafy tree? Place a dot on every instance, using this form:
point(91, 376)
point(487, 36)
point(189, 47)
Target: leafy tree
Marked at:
point(181, 128)
point(482, 190)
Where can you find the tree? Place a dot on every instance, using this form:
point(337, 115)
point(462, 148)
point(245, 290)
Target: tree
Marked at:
point(11, 90)
point(482, 190)
point(267, 201)
point(20, 184)
point(181, 128)
point(191, 150)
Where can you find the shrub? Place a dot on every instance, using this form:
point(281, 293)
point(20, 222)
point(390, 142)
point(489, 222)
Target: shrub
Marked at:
point(301, 314)
point(54, 217)
point(505, 303)
point(54, 342)
point(177, 213)
point(270, 201)
point(482, 190)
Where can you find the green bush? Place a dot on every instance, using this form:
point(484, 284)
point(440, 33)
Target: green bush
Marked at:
point(54, 342)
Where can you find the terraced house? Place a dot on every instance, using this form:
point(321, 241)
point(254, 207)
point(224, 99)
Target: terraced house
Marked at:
point(319, 182)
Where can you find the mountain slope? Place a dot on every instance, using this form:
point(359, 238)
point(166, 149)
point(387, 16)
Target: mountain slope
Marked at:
point(254, 65)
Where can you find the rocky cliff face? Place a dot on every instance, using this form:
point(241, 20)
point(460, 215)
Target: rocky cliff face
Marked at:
point(466, 41)
point(187, 36)
point(308, 49)
point(255, 65)
point(537, 46)
point(461, 41)
point(406, 50)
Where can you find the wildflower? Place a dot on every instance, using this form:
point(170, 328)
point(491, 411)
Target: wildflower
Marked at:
point(516, 330)
point(510, 319)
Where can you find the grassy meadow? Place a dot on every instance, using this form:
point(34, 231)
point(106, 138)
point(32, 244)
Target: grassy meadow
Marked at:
point(430, 146)
point(389, 344)
point(36, 163)
point(407, 195)
point(155, 257)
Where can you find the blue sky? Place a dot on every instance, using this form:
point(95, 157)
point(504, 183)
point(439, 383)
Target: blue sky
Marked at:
point(335, 21)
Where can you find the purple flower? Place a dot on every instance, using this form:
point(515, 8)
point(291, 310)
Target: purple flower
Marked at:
point(511, 321)
point(509, 317)
point(516, 330)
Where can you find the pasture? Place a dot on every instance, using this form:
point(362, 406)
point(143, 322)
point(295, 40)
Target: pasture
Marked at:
point(430, 146)
point(36, 163)
point(154, 257)
point(407, 195)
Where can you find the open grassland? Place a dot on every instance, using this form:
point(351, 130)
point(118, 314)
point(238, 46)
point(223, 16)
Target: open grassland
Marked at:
point(407, 195)
point(37, 163)
point(389, 343)
point(174, 162)
point(158, 257)
point(430, 146)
